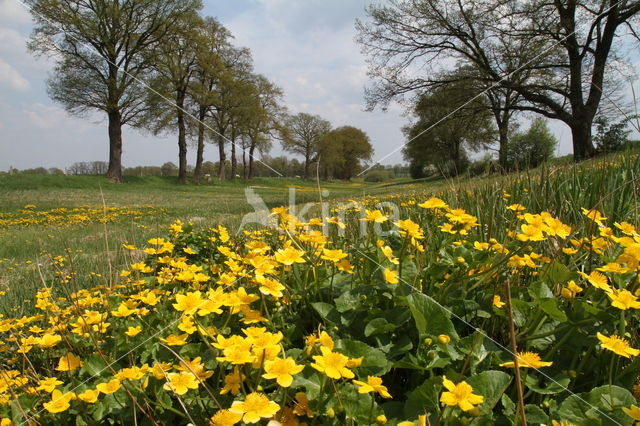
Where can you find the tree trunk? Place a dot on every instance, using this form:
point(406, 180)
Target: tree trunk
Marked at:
point(582, 141)
point(115, 146)
point(182, 139)
point(197, 172)
point(244, 163)
point(307, 163)
point(223, 158)
point(251, 151)
point(234, 160)
point(503, 132)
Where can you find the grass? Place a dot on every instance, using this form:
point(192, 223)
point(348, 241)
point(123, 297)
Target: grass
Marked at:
point(97, 247)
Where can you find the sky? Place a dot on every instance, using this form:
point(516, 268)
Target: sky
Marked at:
point(305, 47)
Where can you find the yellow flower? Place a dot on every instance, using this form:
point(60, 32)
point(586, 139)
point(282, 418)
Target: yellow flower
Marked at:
point(89, 396)
point(48, 384)
point(375, 216)
point(433, 203)
point(59, 401)
point(381, 419)
point(562, 423)
point(388, 253)
point(444, 339)
point(301, 405)
point(333, 255)
point(232, 382)
point(526, 360)
point(516, 207)
point(176, 339)
point(69, 362)
point(598, 280)
point(617, 345)
point(497, 302)
point(49, 340)
point(109, 387)
point(133, 331)
point(373, 384)
point(633, 412)
point(333, 364)
point(390, 276)
point(188, 303)
point(460, 394)
point(181, 382)
point(571, 290)
point(623, 299)
point(594, 215)
point(282, 370)
point(225, 418)
point(289, 256)
point(254, 407)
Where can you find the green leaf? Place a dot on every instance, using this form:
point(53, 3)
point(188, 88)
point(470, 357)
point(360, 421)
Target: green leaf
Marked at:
point(375, 361)
point(327, 312)
point(600, 406)
point(430, 317)
point(423, 399)
point(311, 381)
point(550, 307)
point(378, 326)
point(539, 290)
point(357, 406)
point(535, 414)
point(94, 365)
point(491, 385)
point(557, 273)
point(547, 387)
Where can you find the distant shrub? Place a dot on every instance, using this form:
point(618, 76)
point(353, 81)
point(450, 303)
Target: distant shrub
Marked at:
point(378, 176)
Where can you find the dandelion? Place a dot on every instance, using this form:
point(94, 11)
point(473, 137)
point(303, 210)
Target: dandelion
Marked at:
point(460, 394)
point(617, 345)
point(373, 384)
point(255, 407)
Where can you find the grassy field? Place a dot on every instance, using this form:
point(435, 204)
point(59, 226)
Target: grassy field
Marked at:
point(136, 211)
point(420, 304)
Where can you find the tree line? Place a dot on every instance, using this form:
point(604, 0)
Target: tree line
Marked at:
point(465, 68)
point(162, 67)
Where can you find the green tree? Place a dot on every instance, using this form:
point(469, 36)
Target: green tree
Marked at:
point(533, 147)
point(443, 144)
point(610, 136)
point(341, 151)
point(101, 48)
point(554, 54)
point(301, 134)
point(175, 62)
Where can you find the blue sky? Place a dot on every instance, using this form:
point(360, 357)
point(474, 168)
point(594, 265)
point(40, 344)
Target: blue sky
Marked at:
point(305, 47)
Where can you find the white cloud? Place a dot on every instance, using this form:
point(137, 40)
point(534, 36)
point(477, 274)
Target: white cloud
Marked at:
point(11, 78)
point(46, 116)
point(13, 12)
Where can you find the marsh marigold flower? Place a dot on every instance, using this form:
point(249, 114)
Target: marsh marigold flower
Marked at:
point(188, 303)
point(111, 386)
point(333, 364)
point(617, 345)
point(460, 394)
point(181, 382)
point(497, 301)
point(289, 256)
point(390, 276)
point(375, 216)
point(255, 407)
point(225, 418)
point(373, 384)
point(633, 412)
point(433, 203)
point(69, 362)
point(527, 360)
point(59, 401)
point(90, 396)
point(282, 370)
point(623, 299)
